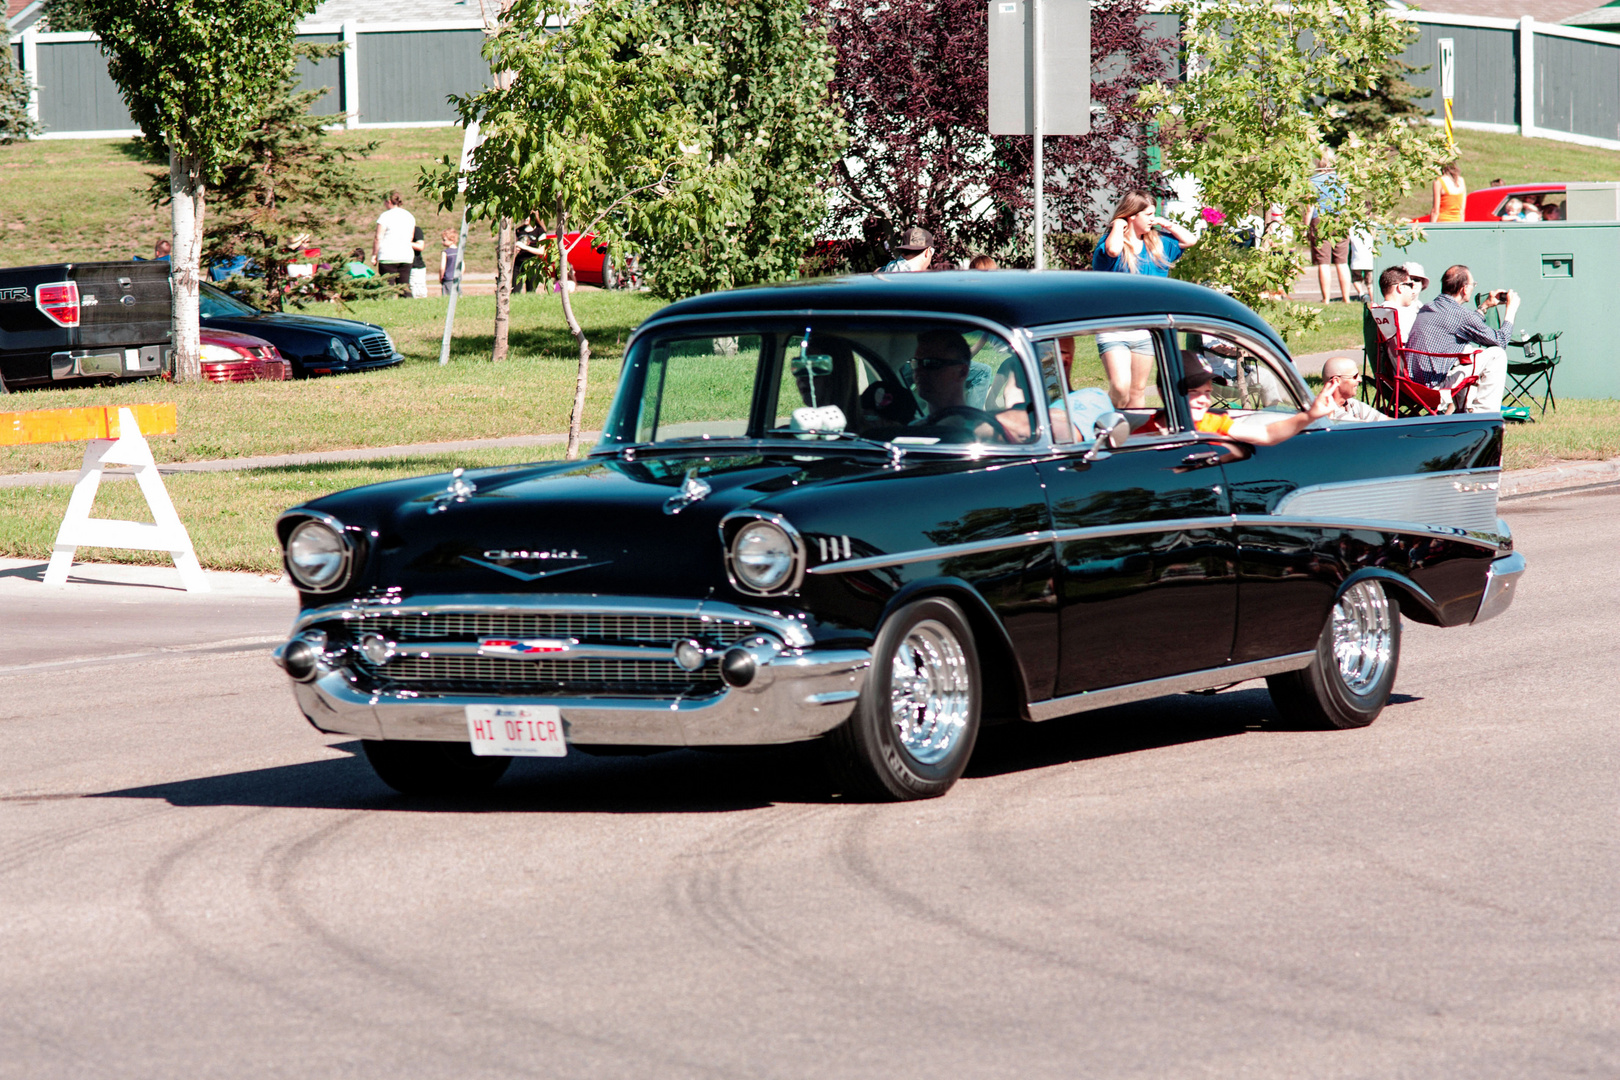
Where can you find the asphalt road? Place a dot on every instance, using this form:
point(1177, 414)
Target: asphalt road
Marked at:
point(193, 883)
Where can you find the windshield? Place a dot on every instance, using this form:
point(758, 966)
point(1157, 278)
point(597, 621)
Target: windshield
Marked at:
point(905, 384)
point(211, 303)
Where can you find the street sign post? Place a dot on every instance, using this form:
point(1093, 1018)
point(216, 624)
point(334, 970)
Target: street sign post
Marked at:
point(1448, 79)
point(1040, 81)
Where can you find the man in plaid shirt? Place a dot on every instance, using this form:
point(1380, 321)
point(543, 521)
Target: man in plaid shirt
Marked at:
point(1448, 324)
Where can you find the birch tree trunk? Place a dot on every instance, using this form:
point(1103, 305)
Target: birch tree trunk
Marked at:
point(505, 244)
point(185, 262)
point(574, 418)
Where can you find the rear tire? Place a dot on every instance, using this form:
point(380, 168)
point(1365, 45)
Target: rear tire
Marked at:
point(918, 717)
point(433, 768)
point(1350, 678)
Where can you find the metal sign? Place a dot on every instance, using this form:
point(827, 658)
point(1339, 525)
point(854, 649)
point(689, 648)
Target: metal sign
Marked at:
point(1064, 61)
point(1448, 67)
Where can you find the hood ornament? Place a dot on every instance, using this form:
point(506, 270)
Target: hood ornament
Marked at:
point(694, 489)
point(458, 491)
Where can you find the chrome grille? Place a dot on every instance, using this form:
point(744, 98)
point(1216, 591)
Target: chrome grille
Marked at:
point(498, 675)
point(377, 346)
point(594, 627)
point(482, 674)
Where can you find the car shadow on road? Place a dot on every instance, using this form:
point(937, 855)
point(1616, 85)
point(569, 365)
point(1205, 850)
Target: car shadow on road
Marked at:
point(691, 781)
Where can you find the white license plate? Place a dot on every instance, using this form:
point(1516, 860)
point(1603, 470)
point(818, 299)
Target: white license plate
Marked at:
point(516, 731)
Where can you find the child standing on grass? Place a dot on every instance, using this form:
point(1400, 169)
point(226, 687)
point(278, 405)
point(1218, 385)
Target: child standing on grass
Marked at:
point(447, 261)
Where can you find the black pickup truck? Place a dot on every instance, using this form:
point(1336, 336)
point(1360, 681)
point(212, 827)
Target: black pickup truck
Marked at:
point(65, 321)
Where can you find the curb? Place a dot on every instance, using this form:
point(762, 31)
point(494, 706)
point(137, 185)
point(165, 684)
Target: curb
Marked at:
point(1556, 478)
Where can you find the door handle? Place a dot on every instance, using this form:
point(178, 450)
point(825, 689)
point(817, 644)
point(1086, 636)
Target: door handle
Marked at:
point(1201, 459)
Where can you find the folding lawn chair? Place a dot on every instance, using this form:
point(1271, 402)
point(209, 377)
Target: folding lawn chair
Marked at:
point(1392, 378)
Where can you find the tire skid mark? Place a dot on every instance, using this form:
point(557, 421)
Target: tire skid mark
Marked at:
point(281, 870)
point(710, 895)
point(51, 841)
point(863, 869)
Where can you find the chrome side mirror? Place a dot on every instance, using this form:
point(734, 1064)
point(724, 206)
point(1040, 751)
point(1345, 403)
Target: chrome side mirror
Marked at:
point(1111, 430)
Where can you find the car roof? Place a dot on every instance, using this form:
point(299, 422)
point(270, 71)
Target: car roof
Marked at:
point(1013, 298)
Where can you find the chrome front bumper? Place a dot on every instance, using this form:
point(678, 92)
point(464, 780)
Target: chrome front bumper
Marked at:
point(797, 692)
point(1500, 584)
point(797, 696)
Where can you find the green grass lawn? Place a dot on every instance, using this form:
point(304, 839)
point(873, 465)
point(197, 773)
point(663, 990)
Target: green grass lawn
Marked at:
point(1488, 155)
point(84, 200)
point(230, 515)
point(419, 401)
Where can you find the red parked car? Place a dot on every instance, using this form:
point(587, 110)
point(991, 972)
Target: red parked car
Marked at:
point(1487, 204)
point(229, 356)
point(589, 259)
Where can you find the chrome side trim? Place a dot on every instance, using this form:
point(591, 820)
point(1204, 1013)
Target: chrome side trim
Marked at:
point(946, 551)
point(790, 628)
point(1460, 499)
point(1500, 585)
point(1493, 540)
point(1043, 536)
point(1207, 679)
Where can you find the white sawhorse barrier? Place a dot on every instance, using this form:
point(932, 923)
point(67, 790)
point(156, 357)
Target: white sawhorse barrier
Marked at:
point(79, 529)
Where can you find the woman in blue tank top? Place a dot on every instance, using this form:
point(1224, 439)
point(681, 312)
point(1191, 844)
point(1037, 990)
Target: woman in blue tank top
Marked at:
point(1133, 244)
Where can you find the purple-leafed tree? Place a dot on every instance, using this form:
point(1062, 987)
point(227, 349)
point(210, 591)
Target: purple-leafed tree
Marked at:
point(913, 79)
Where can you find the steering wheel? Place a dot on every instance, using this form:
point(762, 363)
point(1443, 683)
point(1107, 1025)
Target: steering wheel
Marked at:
point(975, 416)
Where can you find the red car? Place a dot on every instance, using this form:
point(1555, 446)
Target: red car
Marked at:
point(1488, 204)
point(229, 356)
point(589, 260)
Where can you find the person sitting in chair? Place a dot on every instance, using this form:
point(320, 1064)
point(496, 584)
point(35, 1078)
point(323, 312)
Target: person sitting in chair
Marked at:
point(1341, 376)
point(1448, 324)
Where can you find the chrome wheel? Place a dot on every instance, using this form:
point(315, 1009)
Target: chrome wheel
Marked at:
point(930, 698)
point(1363, 637)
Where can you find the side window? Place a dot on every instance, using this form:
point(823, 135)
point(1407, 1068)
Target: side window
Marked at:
point(1088, 375)
point(1244, 380)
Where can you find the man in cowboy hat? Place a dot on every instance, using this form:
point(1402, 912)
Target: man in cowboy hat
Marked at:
point(916, 249)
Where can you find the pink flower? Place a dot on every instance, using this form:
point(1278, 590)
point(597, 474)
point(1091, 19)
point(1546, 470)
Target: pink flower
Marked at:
point(1213, 216)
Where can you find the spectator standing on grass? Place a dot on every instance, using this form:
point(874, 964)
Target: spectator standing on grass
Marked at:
point(357, 267)
point(1329, 258)
point(1134, 244)
point(391, 246)
point(916, 249)
point(1363, 250)
point(418, 266)
point(447, 260)
point(1450, 193)
point(528, 243)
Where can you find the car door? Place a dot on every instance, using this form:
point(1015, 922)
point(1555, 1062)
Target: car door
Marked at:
point(1143, 537)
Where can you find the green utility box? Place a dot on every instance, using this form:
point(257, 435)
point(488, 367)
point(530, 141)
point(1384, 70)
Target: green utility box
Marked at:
point(1567, 275)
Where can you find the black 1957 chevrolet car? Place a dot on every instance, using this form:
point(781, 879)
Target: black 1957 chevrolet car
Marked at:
point(882, 511)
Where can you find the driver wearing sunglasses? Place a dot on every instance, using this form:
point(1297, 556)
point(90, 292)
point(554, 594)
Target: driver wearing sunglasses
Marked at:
point(940, 366)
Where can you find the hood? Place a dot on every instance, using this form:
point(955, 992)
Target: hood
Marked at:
point(595, 526)
point(267, 323)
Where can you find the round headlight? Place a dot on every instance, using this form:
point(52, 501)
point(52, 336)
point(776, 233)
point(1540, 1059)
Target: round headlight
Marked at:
point(335, 349)
point(316, 555)
point(762, 556)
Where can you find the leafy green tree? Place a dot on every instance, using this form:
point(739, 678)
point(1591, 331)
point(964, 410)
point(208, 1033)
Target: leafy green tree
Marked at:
point(1364, 114)
point(14, 92)
point(772, 122)
point(66, 16)
point(195, 75)
point(589, 124)
point(285, 181)
point(1248, 123)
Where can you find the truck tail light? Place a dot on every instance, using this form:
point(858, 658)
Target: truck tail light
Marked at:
point(59, 301)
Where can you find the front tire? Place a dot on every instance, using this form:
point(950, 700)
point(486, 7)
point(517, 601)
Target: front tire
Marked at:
point(433, 768)
point(918, 717)
point(1350, 678)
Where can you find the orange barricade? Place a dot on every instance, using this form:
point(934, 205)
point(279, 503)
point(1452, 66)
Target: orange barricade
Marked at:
point(82, 425)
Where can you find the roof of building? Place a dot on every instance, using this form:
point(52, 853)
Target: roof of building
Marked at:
point(1550, 11)
point(1605, 17)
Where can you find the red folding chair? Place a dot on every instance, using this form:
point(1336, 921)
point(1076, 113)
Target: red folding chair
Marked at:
point(1393, 381)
